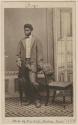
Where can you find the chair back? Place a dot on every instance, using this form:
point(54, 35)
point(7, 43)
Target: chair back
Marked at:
point(48, 73)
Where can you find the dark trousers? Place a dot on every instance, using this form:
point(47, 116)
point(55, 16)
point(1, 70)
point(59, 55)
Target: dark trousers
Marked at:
point(26, 86)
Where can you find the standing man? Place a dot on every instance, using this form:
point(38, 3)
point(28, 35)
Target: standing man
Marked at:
point(29, 61)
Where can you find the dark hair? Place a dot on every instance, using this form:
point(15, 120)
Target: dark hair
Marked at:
point(28, 26)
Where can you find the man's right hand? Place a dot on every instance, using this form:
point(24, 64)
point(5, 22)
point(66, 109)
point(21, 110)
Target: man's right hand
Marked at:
point(18, 62)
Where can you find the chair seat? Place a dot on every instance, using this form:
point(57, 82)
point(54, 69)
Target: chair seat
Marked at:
point(59, 84)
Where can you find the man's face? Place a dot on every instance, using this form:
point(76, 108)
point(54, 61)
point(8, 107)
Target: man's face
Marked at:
point(27, 31)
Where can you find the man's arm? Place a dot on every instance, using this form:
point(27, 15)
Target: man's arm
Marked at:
point(39, 55)
point(18, 54)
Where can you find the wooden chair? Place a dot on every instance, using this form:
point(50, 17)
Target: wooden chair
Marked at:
point(56, 85)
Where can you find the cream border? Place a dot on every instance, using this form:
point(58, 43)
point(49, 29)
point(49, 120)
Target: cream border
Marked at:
point(36, 4)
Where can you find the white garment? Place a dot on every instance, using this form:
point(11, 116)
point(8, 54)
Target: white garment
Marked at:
point(28, 46)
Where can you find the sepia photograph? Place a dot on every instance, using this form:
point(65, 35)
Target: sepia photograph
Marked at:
point(39, 59)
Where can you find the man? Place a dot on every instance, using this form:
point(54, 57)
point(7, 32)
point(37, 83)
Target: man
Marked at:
point(29, 61)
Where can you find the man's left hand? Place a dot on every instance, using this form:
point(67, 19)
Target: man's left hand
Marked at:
point(28, 66)
point(36, 83)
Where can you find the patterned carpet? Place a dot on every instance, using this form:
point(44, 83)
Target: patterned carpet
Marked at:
point(13, 108)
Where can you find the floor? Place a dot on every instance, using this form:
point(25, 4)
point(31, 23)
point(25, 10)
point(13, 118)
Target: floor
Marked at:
point(13, 108)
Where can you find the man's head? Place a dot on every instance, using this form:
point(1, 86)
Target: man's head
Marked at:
point(28, 29)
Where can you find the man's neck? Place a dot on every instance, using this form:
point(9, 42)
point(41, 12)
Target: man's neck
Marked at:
point(28, 35)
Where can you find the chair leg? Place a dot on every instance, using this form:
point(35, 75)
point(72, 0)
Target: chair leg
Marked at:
point(21, 97)
point(47, 98)
point(71, 99)
point(64, 101)
point(54, 95)
point(20, 90)
point(72, 95)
